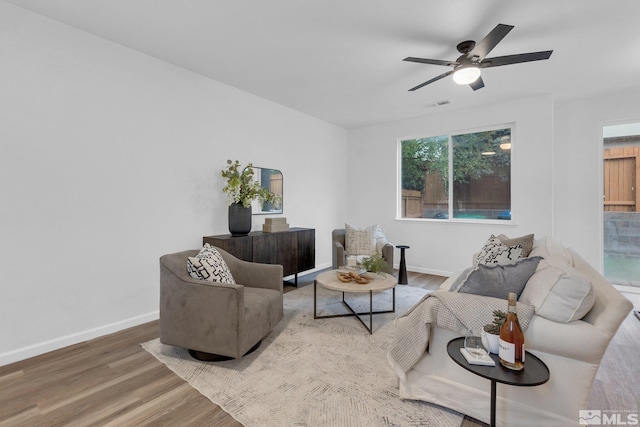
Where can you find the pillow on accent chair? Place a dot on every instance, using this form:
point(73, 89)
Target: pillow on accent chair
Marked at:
point(360, 240)
point(498, 280)
point(495, 252)
point(208, 265)
point(207, 251)
point(381, 240)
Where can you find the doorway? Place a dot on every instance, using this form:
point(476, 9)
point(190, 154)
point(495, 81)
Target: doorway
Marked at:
point(621, 204)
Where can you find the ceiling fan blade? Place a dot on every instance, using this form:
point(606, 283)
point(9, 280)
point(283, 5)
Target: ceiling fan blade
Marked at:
point(435, 79)
point(431, 61)
point(515, 59)
point(490, 41)
point(478, 84)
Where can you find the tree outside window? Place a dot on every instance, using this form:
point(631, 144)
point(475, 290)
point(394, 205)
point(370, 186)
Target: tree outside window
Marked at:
point(476, 166)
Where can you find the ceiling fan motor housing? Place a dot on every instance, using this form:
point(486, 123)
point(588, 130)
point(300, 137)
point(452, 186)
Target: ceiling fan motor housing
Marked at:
point(466, 46)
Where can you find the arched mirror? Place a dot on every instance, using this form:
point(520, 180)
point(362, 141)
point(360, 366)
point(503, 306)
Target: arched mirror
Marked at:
point(270, 179)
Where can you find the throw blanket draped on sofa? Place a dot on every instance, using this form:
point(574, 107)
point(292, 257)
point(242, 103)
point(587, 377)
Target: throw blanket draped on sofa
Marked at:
point(451, 310)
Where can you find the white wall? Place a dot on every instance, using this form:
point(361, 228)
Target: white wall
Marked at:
point(111, 158)
point(441, 247)
point(578, 167)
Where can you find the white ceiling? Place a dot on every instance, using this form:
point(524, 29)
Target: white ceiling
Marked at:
point(341, 60)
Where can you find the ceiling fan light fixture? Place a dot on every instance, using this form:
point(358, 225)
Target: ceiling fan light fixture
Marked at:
point(466, 75)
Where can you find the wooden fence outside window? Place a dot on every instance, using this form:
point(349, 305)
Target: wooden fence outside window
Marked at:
point(621, 179)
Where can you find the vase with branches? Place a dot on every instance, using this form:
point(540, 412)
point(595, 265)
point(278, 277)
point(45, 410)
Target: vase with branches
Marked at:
point(242, 189)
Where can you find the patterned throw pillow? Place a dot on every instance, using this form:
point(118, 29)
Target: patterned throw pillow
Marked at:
point(525, 241)
point(207, 251)
point(210, 266)
point(360, 240)
point(495, 252)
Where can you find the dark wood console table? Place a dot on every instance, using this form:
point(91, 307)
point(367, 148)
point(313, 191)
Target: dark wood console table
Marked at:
point(294, 250)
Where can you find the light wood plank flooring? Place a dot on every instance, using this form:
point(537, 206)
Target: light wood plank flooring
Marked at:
point(112, 381)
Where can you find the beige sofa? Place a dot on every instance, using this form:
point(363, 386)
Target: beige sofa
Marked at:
point(572, 351)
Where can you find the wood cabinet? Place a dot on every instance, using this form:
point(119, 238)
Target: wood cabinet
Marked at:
point(294, 250)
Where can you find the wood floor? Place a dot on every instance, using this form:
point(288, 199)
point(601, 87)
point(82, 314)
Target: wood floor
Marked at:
point(112, 381)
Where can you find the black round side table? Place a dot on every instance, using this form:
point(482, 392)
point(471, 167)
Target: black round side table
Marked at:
point(402, 273)
point(535, 372)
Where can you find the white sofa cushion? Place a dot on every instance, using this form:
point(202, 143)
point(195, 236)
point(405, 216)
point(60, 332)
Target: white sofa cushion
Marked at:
point(360, 240)
point(559, 294)
point(552, 251)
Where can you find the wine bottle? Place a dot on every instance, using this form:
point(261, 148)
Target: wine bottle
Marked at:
point(511, 349)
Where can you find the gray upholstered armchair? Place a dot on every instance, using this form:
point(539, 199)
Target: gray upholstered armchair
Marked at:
point(338, 246)
point(213, 319)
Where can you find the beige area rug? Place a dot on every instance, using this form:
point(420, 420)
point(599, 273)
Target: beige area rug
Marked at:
point(322, 372)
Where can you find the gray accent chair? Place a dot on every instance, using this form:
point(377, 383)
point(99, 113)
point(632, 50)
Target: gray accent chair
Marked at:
point(213, 319)
point(339, 254)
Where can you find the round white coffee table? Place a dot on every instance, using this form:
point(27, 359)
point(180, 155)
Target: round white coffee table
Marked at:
point(377, 283)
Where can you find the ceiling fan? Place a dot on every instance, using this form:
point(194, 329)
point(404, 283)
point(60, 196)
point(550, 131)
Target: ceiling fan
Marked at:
point(466, 69)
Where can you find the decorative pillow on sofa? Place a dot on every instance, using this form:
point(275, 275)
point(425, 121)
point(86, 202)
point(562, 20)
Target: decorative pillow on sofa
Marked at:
point(495, 252)
point(210, 266)
point(360, 240)
point(525, 241)
point(462, 277)
point(498, 280)
point(561, 295)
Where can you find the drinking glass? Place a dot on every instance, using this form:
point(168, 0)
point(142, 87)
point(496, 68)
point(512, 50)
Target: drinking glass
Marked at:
point(473, 343)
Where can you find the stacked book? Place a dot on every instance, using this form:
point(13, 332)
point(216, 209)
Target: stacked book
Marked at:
point(274, 225)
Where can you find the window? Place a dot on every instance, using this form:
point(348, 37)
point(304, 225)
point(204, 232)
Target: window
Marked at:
point(621, 203)
point(476, 166)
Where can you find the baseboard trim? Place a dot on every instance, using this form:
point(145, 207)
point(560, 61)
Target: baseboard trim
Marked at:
point(627, 288)
point(311, 271)
point(430, 271)
point(67, 340)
